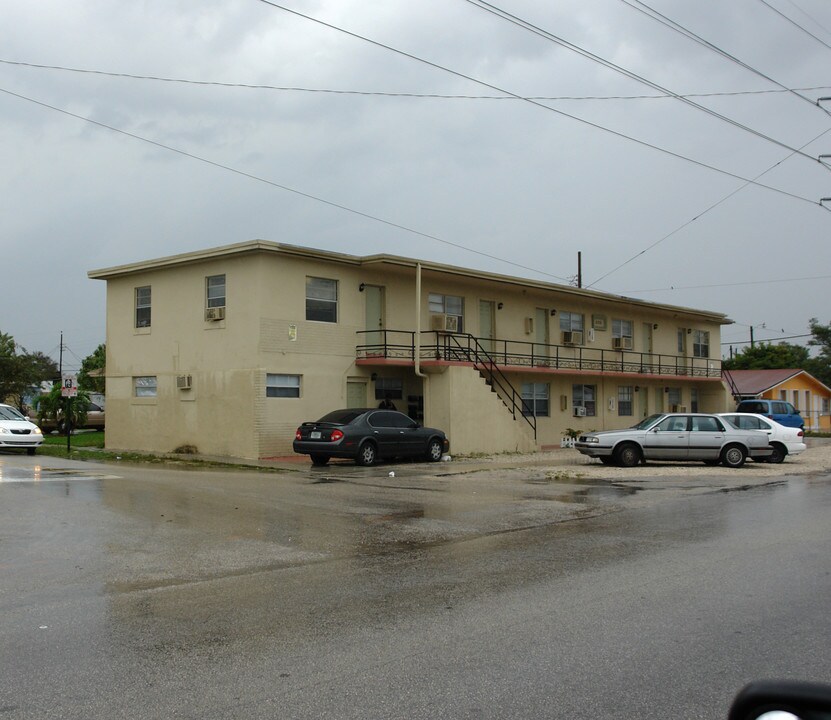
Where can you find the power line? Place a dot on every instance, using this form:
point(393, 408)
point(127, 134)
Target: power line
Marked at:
point(597, 126)
point(536, 30)
point(374, 93)
point(795, 24)
point(309, 196)
point(808, 15)
point(721, 285)
point(747, 342)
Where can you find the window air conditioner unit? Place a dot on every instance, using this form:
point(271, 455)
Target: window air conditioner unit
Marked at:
point(622, 343)
point(184, 382)
point(442, 322)
point(579, 411)
point(215, 313)
point(572, 337)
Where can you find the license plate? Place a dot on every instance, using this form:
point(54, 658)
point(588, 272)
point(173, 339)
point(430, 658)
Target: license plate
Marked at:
point(315, 434)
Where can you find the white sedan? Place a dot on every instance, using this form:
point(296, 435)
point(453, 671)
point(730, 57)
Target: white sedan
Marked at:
point(17, 432)
point(784, 440)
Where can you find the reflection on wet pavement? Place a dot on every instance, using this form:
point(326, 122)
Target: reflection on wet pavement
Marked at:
point(37, 473)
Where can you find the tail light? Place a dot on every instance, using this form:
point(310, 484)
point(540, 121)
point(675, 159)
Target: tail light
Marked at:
point(799, 433)
point(298, 435)
point(336, 435)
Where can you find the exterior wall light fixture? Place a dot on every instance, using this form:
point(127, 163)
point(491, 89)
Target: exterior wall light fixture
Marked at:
point(361, 287)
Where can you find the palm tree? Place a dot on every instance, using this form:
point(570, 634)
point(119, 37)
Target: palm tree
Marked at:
point(53, 406)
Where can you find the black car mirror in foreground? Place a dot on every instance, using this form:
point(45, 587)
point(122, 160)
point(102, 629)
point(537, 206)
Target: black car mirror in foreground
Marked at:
point(782, 700)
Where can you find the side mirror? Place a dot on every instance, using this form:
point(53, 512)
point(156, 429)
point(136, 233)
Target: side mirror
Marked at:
point(782, 700)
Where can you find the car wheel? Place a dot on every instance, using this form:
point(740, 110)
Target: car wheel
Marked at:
point(778, 454)
point(628, 455)
point(733, 456)
point(367, 454)
point(319, 460)
point(435, 450)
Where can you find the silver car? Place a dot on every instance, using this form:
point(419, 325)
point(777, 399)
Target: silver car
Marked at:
point(676, 436)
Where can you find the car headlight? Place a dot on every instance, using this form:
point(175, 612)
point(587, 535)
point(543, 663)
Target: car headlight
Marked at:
point(37, 431)
point(589, 439)
point(4, 431)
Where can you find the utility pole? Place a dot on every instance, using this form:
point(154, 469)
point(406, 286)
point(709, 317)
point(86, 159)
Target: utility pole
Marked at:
point(579, 269)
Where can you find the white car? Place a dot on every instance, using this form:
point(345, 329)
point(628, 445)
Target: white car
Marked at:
point(784, 440)
point(16, 432)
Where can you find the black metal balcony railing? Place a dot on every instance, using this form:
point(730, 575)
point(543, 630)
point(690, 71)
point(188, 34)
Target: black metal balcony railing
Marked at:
point(461, 347)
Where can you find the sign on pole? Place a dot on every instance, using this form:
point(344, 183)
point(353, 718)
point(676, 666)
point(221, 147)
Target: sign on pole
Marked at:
point(69, 385)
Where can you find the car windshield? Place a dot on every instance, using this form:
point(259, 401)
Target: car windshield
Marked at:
point(9, 413)
point(342, 417)
point(647, 422)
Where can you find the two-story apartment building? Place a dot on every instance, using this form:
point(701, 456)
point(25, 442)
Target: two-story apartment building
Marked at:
point(230, 349)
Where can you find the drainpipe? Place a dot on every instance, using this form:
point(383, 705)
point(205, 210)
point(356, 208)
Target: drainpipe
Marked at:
point(417, 339)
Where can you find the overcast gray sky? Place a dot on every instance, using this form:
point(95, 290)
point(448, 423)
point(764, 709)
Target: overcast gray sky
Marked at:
point(163, 145)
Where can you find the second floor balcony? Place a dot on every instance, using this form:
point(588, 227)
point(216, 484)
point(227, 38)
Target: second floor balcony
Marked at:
point(382, 346)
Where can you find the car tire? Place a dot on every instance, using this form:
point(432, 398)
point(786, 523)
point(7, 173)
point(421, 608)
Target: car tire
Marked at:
point(319, 460)
point(779, 453)
point(367, 454)
point(628, 455)
point(733, 456)
point(435, 449)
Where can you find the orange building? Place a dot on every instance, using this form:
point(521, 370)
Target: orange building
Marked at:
point(798, 387)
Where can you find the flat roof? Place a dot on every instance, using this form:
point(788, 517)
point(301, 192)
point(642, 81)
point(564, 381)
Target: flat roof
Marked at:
point(269, 247)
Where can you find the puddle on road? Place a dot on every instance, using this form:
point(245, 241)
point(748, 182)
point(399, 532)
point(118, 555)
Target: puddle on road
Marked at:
point(39, 474)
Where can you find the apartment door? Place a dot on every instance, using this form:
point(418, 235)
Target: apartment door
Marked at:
point(356, 393)
point(646, 347)
point(487, 322)
point(643, 402)
point(542, 338)
point(374, 338)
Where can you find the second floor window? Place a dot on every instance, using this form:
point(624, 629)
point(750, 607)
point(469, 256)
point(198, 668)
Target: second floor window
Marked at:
point(570, 321)
point(701, 343)
point(143, 307)
point(450, 305)
point(215, 291)
point(321, 299)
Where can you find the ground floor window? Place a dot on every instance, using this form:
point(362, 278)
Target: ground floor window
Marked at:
point(535, 399)
point(284, 386)
point(585, 396)
point(624, 400)
point(674, 398)
point(145, 386)
point(826, 406)
point(389, 388)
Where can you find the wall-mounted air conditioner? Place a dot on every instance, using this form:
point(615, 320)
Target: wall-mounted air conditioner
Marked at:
point(579, 411)
point(622, 343)
point(442, 322)
point(215, 313)
point(572, 337)
point(184, 382)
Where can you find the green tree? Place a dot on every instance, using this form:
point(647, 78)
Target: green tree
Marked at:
point(19, 369)
point(91, 375)
point(820, 365)
point(53, 406)
point(766, 356)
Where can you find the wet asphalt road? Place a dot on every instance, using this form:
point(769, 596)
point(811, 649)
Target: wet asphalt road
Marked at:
point(440, 593)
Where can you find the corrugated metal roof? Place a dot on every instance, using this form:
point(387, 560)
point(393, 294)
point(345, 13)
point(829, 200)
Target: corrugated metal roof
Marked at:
point(755, 382)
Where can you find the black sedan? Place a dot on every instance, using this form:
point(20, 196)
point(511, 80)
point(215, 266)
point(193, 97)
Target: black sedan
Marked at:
point(367, 435)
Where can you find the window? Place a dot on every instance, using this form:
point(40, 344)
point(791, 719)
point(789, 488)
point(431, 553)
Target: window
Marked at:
point(144, 386)
point(284, 386)
point(673, 424)
point(321, 299)
point(215, 293)
point(450, 305)
point(535, 399)
point(571, 322)
point(624, 400)
point(143, 306)
point(674, 396)
point(826, 406)
point(393, 388)
point(701, 343)
point(694, 400)
point(584, 396)
point(681, 336)
point(706, 424)
point(622, 329)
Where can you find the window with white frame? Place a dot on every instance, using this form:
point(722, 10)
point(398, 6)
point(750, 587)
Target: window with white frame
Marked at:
point(145, 386)
point(535, 399)
point(624, 400)
point(674, 396)
point(701, 343)
point(282, 386)
point(622, 334)
point(321, 299)
point(571, 322)
point(215, 291)
point(585, 396)
point(143, 307)
point(451, 305)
